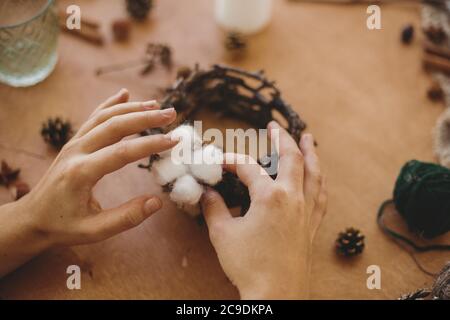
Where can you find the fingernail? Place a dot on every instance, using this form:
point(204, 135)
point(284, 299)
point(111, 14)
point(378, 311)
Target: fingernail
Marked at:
point(273, 125)
point(169, 137)
point(168, 113)
point(152, 205)
point(122, 91)
point(150, 105)
point(308, 137)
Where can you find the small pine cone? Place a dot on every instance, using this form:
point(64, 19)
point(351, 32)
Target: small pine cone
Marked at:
point(350, 242)
point(139, 9)
point(235, 42)
point(56, 132)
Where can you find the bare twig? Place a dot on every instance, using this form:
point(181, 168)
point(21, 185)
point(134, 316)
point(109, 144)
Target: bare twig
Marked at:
point(436, 63)
point(440, 51)
point(249, 96)
point(155, 53)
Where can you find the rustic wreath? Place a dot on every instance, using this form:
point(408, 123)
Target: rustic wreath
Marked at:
point(231, 92)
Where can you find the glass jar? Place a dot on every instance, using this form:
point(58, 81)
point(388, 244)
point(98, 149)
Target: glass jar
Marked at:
point(28, 41)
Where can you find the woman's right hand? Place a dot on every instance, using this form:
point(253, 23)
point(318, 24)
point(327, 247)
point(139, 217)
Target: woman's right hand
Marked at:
point(267, 253)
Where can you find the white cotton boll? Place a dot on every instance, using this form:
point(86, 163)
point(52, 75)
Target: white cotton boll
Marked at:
point(165, 153)
point(187, 134)
point(186, 190)
point(207, 165)
point(166, 171)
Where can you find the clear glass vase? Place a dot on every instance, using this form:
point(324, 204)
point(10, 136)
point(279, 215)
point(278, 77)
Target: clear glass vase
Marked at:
point(28, 41)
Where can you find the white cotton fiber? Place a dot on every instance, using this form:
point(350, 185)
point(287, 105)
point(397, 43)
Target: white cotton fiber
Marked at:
point(186, 167)
point(166, 171)
point(187, 134)
point(186, 190)
point(207, 165)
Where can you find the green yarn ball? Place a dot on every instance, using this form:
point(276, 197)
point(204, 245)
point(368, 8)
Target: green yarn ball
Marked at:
point(422, 197)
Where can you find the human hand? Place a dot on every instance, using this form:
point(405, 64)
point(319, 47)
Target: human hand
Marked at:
point(62, 208)
point(267, 253)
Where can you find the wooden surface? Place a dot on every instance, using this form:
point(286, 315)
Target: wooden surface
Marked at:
point(361, 92)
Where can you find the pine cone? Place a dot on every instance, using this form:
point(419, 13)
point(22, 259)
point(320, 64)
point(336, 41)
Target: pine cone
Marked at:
point(350, 242)
point(56, 132)
point(139, 9)
point(235, 42)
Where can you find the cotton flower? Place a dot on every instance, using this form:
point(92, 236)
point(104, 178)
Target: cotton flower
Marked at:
point(189, 141)
point(187, 135)
point(186, 190)
point(186, 167)
point(166, 170)
point(207, 165)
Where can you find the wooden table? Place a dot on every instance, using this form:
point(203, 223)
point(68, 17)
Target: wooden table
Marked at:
point(362, 93)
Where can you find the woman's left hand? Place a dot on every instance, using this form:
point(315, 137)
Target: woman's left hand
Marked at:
point(61, 209)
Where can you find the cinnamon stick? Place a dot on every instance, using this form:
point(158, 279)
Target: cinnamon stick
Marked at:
point(92, 37)
point(89, 29)
point(85, 22)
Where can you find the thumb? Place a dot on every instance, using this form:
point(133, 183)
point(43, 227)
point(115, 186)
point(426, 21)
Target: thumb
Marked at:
point(113, 221)
point(214, 208)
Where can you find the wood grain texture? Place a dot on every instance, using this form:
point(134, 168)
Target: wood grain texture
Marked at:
point(361, 92)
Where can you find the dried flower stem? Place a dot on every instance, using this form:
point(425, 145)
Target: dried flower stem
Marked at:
point(121, 66)
point(155, 53)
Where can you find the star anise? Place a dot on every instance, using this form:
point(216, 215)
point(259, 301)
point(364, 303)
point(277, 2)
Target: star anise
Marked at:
point(7, 174)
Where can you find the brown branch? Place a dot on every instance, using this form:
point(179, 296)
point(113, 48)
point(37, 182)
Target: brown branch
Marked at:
point(433, 49)
point(249, 96)
point(436, 63)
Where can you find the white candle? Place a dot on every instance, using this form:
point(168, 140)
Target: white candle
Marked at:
point(244, 16)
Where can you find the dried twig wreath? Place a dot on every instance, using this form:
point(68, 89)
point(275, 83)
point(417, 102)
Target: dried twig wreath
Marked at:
point(232, 92)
